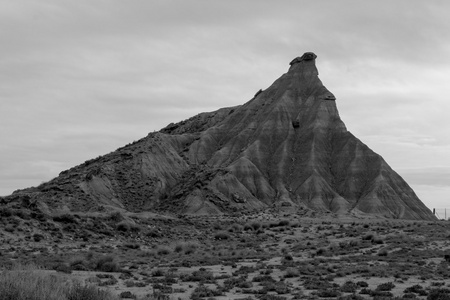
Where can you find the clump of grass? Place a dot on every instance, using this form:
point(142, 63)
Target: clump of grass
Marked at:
point(87, 292)
point(31, 283)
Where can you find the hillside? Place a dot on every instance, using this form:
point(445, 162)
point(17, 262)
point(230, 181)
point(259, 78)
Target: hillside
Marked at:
point(286, 147)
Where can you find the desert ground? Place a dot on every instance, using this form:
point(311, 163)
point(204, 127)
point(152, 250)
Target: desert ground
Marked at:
point(283, 253)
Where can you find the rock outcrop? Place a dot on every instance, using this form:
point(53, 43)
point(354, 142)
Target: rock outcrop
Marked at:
point(287, 146)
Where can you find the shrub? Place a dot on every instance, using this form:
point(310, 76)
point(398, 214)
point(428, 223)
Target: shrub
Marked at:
point(271, 297)
point(387, 286)
point(217, 226)
point(255, 225)
point(127, 294)
point(349, 287)
point(6, 212)
point(367, 237)
point(37, 237)
point(380, 295)
point(10, 228)
point(221, 236)
point(201, 275)
point(190, 248)
point(240, 282)
point(284, 223)
point(292, 272)
point(377, 240)
point(116, 217)
point(153, 233)
point(362, 284)
point(263, 278)
point(79, 264)
point(328, 293)
point(439, 294)
point(106, 264)
point(321, 251)
point(163, 250)
point(202, 291)
point(178, 247)
point(278, 287)
point(132, 245)
point(63, 268)
point(247, 227)
point(417, 289)
point(383, 252)
point(158, 273)
point(288, 257)
point(65, 218)
point(123, 226)
point(351, 297)
point(235, 228)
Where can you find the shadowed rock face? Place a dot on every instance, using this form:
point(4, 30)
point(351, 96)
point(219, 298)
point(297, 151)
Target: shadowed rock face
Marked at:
point(285, 147)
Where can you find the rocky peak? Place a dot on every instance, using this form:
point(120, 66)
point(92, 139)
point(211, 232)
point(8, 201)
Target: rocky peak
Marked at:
point(307, 56)
point(287, 146)
point(304, 65)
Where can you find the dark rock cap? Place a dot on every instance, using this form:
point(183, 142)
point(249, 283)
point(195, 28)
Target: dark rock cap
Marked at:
point(305, 56)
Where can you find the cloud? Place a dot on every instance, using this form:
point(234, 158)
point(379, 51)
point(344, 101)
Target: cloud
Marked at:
point(81, 78)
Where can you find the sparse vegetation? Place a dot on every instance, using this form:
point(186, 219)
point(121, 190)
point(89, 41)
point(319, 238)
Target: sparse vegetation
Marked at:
point(31, 283)
point(270, 258)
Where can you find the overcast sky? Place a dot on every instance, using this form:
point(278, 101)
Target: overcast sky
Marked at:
point(79, 79)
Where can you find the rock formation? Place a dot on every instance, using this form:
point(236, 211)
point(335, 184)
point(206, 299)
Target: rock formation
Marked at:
point(285, 147)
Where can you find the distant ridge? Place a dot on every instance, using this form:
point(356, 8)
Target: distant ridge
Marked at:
point(286, 147)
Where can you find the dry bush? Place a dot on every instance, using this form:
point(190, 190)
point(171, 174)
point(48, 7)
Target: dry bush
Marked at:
point(235, 228)
point(163, 250)
point(222, 235)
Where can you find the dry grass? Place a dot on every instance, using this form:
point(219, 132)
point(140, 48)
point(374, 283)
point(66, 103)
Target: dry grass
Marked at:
point(30, 283)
